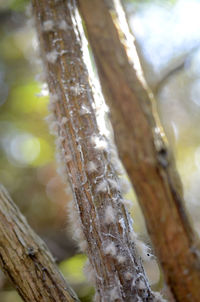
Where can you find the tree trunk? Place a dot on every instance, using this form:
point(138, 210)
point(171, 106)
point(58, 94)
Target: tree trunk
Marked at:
point(26, 260)
point(102, 223)
point(142, 150)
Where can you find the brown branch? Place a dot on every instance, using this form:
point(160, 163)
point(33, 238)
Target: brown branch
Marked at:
point(26, 260)
point(144, 154)
point(103, 225)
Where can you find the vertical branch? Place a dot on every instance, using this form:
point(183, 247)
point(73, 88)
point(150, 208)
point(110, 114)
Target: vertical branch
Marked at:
point(103, 226)
point(141, 147)
point(26, 260)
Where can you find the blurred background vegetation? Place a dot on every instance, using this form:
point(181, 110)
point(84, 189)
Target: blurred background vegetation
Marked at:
point(168, 41)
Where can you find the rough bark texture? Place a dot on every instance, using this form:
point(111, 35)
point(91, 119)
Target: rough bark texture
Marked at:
point(142, 150)
point(118, 272)
point(25, 259)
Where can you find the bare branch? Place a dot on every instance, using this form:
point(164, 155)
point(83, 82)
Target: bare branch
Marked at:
point(142, 150)
point(26, 260)
point(102, 224)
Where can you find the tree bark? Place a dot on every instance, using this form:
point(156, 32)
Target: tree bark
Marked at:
point(142, 150)
point(103, 223)
point(26, 260)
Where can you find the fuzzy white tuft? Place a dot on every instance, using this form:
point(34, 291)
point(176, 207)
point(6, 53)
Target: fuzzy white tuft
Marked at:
point(52, 56)
point(83, 245)
point(48, 25)
point(143, 250)
point(89, 272)
point(64, 120)
point(102, 187)
point(133, 236)
point(91, 167)
point(128, 276)
point(63, 25)
point(141, 284)
point(124, 185)
point(127, 203)
point(110, 249)
point(113, 183)
point(109, 215)
point(99, 143)
point(158, 297)
point(114, 294)
point(121, 259)
point(84, 110)
point(53, 128)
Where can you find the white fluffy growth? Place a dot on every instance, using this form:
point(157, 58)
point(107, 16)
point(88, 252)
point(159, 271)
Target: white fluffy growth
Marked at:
point(143, 250)
point(83, 245)
point(91, 167)
point(127, 203)
point(53, 98)
point(53, 128)
point(133, 236)
point(128, 276)
point(84, 110)
point(121, 259)
point(110, 249)
point(124, 185)
point(89, 272)
point(158, 297)
point(48, 25)
point(77, 89)
point(114, 294)
point(141, 284)
point(63, 25)
point(113, 183)
point(64, 120)
point(52, 56)
point(102, 187)
point(109, 215)
point(100, 143)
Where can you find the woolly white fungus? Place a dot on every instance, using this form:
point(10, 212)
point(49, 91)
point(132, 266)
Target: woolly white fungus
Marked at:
point(77, 89)
point(113, 183)
point(63, 25)
point(91, 167)
point(143, 250)
point(52, 56)
point(99, 143)
point(53, 128)
point(141, 284)
point(132, 236)
point(128, 276)
point(89, 272)
point(64, 120)
point(102, 187)
point(127, 203)
point(83, 245)
point(110, 249)
point(121, 259)
point(114, 294)
point(84, 110)
point(48, 25)
point(158, 297)
point(109, 215)
point(124, 185)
